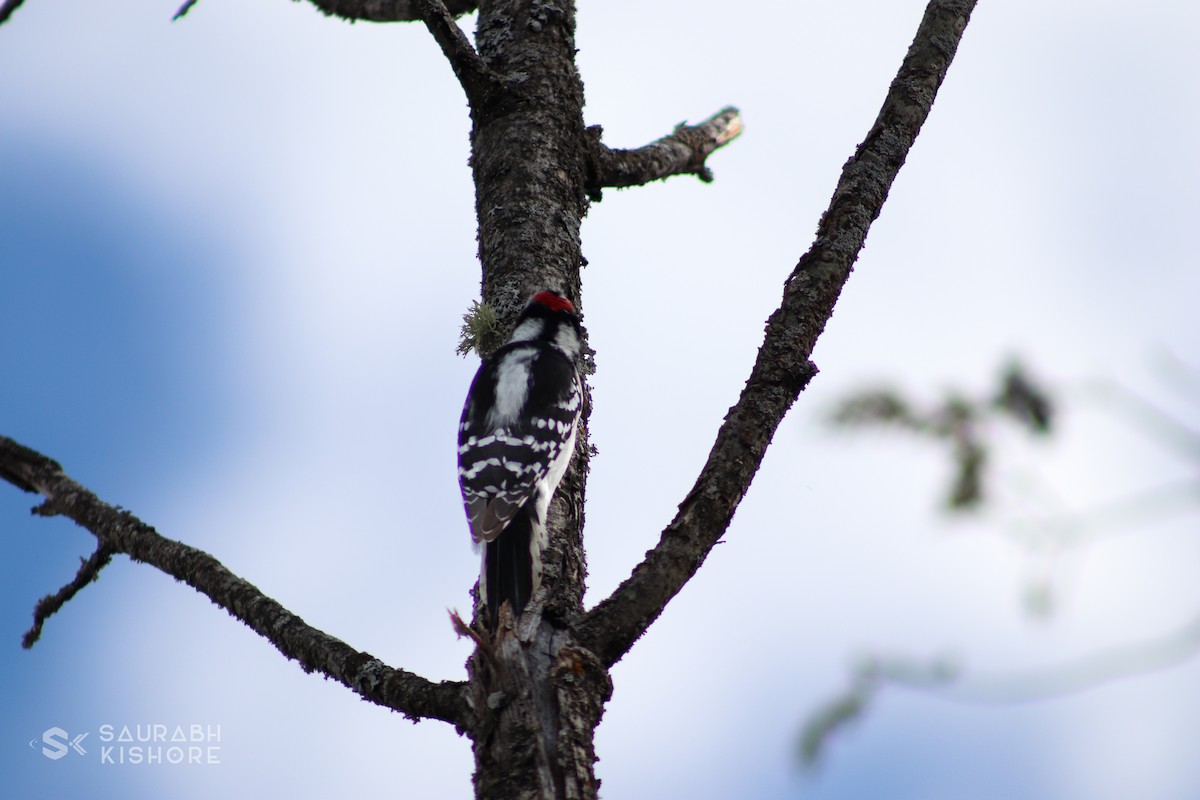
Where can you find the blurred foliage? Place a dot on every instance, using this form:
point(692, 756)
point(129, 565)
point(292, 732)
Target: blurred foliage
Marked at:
point(963, 423)
point(959, 421)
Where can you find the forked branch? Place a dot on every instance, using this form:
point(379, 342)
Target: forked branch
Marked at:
point(782, 368)
point(387, 10)
point(352, 10)
point(119, 531)
point(477, 80)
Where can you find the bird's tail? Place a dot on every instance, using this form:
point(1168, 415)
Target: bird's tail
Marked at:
point(508, 568)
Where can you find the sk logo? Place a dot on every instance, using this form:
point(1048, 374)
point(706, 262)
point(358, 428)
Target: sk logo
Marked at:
point(56, 743)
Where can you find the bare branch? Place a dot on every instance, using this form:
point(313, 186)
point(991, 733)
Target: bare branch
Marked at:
point(120, 532)
point(477, 80)
point(183, 10)
point(387, 10)
point(683, 152)
point(783, 369)
point(352, 10)
point(7, 8)
point(89, 570)
point(24, 468)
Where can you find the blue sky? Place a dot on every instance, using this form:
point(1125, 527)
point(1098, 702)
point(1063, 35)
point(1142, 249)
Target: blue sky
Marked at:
point(233, 256)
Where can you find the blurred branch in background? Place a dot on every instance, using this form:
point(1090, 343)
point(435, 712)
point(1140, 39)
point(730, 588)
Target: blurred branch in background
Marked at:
point(945, 677)
point(869, 675)
point(1178, 375)
point(1174, 433)
point(962, 422)
point(1053, 534)
point(958, 420)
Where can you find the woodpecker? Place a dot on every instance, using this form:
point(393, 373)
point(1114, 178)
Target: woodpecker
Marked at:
point(515, 440)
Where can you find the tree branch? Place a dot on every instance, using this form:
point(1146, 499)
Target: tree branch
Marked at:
point(352, 10)
point(477, 80)
point(183, 10)
point(118, 531)
point(7, 8)
point(782, 368)
point(683, 152)
point(89, 570)
point(386, 10)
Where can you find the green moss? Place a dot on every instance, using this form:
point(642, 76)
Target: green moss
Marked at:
point(480, 330)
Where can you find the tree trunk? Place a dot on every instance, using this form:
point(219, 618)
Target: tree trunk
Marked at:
point(537, 694)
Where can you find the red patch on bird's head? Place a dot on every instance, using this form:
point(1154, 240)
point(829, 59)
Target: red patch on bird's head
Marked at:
point(554, 302)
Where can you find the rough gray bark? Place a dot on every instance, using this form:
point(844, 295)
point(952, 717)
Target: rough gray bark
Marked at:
point(536, 688)
point(543, 695)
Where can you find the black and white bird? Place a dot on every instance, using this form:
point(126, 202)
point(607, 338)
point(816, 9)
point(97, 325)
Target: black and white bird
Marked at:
point(515, 440)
